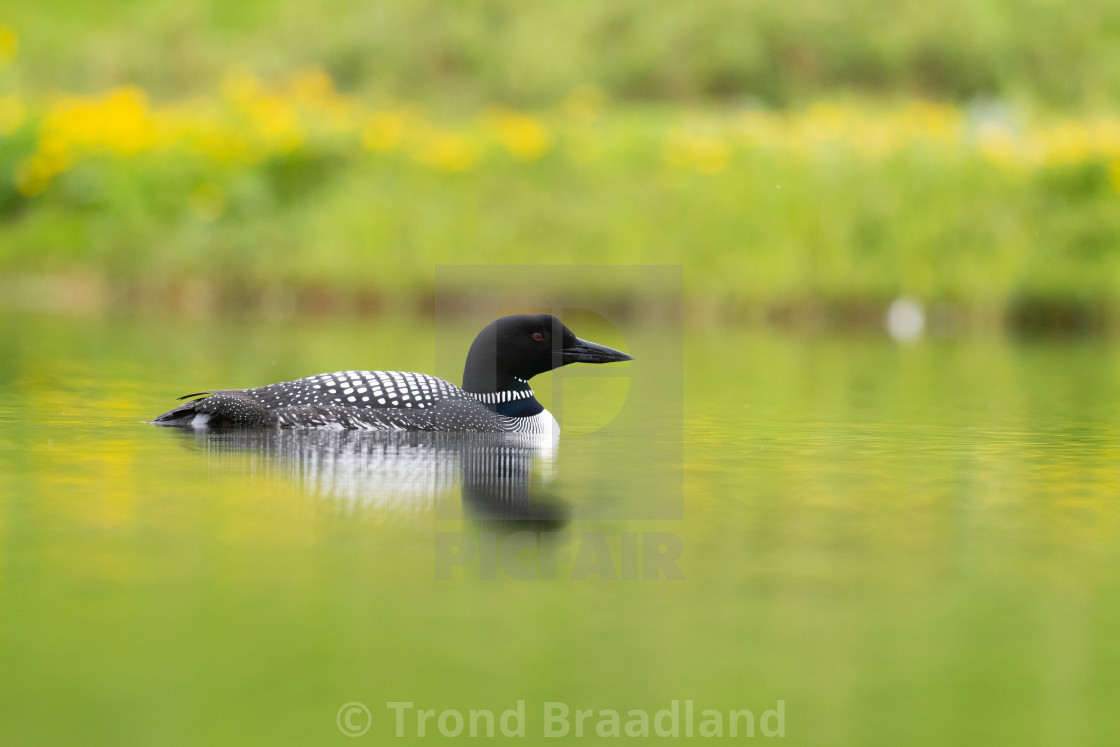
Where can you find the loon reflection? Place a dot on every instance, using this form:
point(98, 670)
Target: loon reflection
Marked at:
point(405, 472)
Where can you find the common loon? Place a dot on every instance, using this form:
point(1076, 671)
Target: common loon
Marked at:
point(495, 395)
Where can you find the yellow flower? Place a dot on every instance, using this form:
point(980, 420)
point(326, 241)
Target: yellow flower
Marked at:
point(705, 154)
point(312, 85)
point(118, 122)
point(313, 92)
point(1114, 174)
point(1106, 137)
point(1066, 143)
point(54, 153)
point(825, 121)
point(876, 139)
point(275, 122)
point(9, 45)
point(128, 127)
point(452, 152)
point(997, 145)
point(710, 156)
point(523, 136)
point(934, 121)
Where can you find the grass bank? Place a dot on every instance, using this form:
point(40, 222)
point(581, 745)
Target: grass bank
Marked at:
point(292, 187)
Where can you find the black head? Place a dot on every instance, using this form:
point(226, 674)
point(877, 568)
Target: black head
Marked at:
point(524, 345)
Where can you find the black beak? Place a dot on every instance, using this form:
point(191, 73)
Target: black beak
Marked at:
point(590, 352)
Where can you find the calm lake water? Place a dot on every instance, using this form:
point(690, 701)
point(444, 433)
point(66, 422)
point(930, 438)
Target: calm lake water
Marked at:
point(899, 544)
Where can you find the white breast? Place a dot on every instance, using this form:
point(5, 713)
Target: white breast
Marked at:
point(541, 424)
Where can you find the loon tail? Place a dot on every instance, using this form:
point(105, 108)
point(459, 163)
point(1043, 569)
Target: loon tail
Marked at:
point(196, 412)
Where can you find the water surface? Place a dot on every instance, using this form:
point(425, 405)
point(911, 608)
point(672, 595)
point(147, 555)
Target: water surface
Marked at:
point(904, 543)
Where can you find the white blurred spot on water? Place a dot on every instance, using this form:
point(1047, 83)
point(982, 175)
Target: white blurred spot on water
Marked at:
point(906, 319)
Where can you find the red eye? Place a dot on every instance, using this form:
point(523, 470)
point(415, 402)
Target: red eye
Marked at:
point(538, 336)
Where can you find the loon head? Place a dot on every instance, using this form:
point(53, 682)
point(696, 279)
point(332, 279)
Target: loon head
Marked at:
point(514, 349)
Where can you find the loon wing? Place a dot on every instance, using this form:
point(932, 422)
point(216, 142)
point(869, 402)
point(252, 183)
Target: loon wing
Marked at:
point(375, 400)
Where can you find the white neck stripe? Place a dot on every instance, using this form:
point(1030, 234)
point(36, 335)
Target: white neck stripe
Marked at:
point(493, 398)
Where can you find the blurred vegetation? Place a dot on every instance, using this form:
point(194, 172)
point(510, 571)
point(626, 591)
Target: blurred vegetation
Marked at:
point(532, 52)
point(823, 156)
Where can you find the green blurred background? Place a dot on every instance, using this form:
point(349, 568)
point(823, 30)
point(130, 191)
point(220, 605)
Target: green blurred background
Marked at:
point(908, 543)
point(802, 161)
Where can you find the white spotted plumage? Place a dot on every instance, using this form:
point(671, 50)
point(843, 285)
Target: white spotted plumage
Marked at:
point(397, 400)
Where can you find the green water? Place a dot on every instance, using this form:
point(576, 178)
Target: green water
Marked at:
point(904, 544)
